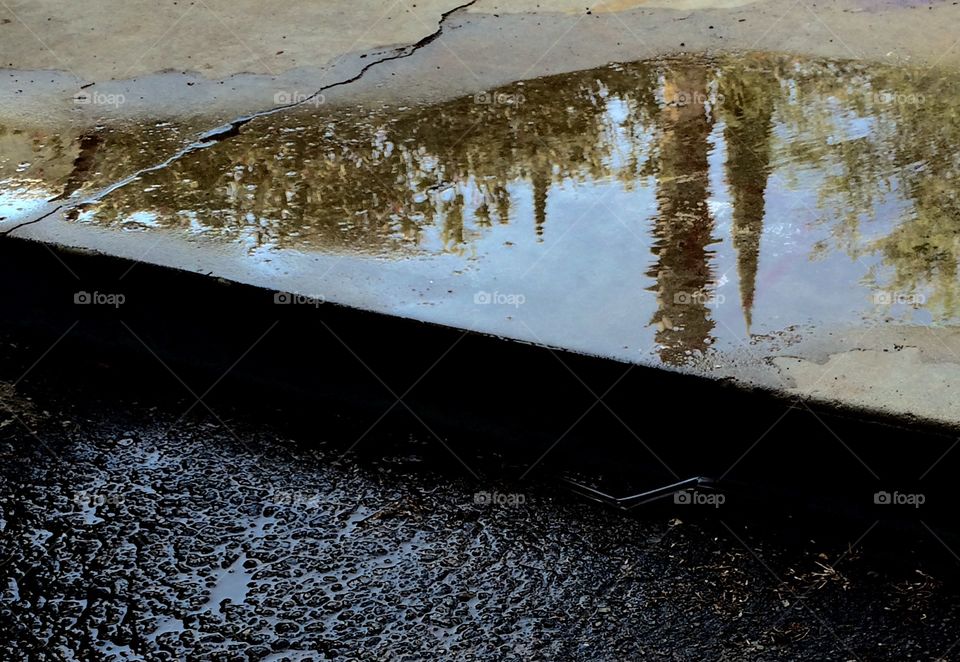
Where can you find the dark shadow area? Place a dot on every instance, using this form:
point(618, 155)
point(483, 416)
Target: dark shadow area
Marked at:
point(204, 472)
point(495, 408)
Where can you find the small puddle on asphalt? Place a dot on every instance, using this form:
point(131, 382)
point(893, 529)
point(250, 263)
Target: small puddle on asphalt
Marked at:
point(677, 204)
point(232, 585)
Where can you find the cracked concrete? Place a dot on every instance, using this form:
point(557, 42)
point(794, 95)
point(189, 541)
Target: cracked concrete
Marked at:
point(187, 55)
point(194, 173)
point(484, 45)
point(219, 61)
point(234, 126)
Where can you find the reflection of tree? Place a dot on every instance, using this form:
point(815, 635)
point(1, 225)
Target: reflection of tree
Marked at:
point(924, 249)
point(86, 154)
point(541, 185)
point(885, 136)
point(876, 142)
point(376, 181)
point(748, 100)
point(683, 228)
point(36, 159)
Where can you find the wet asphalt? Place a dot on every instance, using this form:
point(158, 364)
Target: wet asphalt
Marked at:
point(130, 531)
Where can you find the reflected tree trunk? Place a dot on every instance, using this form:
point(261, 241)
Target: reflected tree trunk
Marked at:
point(746, 104)
point(683, 229)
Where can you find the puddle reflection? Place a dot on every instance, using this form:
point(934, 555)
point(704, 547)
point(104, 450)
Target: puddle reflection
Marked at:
point(733, 196)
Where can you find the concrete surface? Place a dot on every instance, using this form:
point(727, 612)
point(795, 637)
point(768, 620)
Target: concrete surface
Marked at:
point(118, 40)
point(219, 60)
point(797, 236)
point(125, 179)
point(180, 58)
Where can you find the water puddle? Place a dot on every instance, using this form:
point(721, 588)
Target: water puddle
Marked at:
point(673, 205)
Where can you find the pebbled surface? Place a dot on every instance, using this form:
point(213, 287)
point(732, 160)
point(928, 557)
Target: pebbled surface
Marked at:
point(127, 533)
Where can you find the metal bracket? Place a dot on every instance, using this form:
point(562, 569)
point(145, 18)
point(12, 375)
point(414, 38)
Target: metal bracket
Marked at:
point(630, 502)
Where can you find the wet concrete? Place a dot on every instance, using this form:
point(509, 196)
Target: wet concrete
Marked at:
point(774, 219)
point(742, 205)
point(131, 530)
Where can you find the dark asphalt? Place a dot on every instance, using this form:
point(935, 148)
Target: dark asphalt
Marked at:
point(128, 532)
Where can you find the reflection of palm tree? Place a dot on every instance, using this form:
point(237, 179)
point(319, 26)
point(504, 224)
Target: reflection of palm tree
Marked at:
point(683, 228)
point(747, 101)
point(366, 179)
point(453, 235)
point(295, 182)
point(502, 198)
point(82, 164)
point(541, 185)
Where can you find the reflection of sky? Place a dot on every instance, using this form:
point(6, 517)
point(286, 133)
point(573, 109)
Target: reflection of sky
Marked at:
point(596, 252)
point(585, 278)
point(19, 201)
point(141, 220)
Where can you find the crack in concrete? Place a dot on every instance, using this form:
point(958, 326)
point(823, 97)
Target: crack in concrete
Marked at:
point(233, 128)
point(31, 222)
